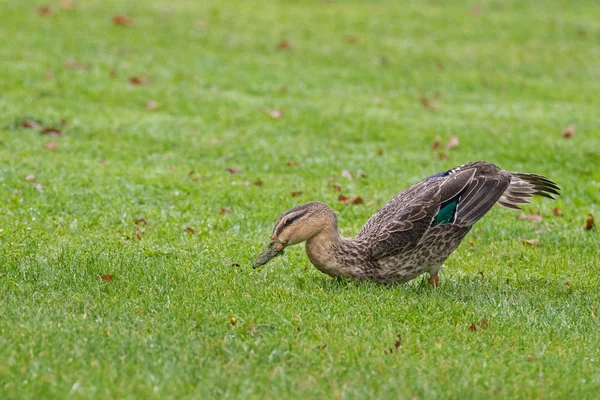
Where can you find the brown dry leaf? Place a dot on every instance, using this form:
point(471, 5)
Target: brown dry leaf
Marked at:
point(189, 230)
point(567, 284)
point(452, 143)
point(371, 202)
point(347, 174)
point(292, 164)
point(30, 124)
point(140, 221)
point(30, 177)
point(428, 103)
point(380, 152)
point(45, 10)
point(225, 211)
point(350, 200)
point(398, 342)
point(569, 131)
point(258, 182)
point(472, 327)
point(106, 277)
point(543, 229)
point(529, 358)
point(274, 113)
point(284, 45)
point(442, 156)
point(297, 193)
point(38, 187)
point(122, 20)
point(152, 105)
point(483, 323)
point(589, 223)
point(139, 80)
point(436, 143)
point(51, 146)
point(337, 188)
point(233, 170)
point(51, 132)
point(532, 242)
point(72, 63)
point(67, 4)
point(531, 217)
point(557, 212)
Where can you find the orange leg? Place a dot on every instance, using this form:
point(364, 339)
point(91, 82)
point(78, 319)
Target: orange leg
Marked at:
point(434, 280)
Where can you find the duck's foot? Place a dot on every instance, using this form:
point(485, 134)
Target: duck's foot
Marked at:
point(434, 280)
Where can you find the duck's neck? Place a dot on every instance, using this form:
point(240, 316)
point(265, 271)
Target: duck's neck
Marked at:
point(333, 254)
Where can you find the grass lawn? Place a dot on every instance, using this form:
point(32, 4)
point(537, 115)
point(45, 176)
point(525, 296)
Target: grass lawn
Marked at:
point(208, 115)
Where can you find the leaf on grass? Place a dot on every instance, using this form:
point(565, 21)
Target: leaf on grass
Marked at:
point(436, 143)
point(189, 230)
point(45, 10)
point(140, 221)
point(225, 211)
point(532, 242)
point(258, 182)
point(531, 217)
point(235, 265)
point(347, 174)
point(589, 223)
point(284, 45)
point(30, 124)
point(274, 113)
point(194, 178)
point(529, 358)
point(51, 146)
point(398, 342)
point(483, 323)
point(428, 103)
point(30, 177)
point(297, 193)
point(233, 170)
point(106, 277)
point(73, 64)
point(350, 200)
point(139, 80)
point(337, 188)
point(38, 187)
point(557, 212)
point(380, 152)
point(543, 229)
point(442, 156)
point(567, 284)
point(122, 20)
point(472, 327)
point(292, 164)
point(152, 105)
point(67, 4)
point(569, 131)
point(452, 142)
point(51, 132)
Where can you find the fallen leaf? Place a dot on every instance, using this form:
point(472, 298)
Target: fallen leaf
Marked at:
point(139, 80)
point(529, 358)
point(452, 142)
point(30, 124)
point(51, 132)
point(45, 10)
point(189, 230)
point(436, 143)
point(233, 170)
point(30, 177)
point(398, 342)
point(347, 174)
point(297, 193)
point(151, 105)
point(235, 265)
point(274, 113)
point(483, 323)
point(284, 45)
point(543, 229)
point(428, 104)
point(569, 132)
point(350, 200)
point(292, 164)
point(557, 212)
point(379, 152)
point(532, 242)
point(106, 277)
point(589, 223)
point(122, 20)
point(371, 202)
point(38, 187)
point(472, 327)
point(140, 221)
point(531, 217)
point(51, 146)
point(258, 182)
point(72, 63)
point(67, 4)
point(337, 188)
point(442, 156)
point(225, 211)
point(567, 284)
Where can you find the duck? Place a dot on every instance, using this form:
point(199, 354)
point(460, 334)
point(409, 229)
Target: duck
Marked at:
point(414, 232)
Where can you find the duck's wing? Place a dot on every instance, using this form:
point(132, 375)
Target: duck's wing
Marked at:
point(460, 197)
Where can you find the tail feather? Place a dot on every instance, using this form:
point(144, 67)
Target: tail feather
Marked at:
point(524, 186)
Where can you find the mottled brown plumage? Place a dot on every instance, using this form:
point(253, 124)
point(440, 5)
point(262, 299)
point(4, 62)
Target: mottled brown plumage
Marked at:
point(412, 233)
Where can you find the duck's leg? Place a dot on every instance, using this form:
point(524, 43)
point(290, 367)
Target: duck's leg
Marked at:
point(434, 280)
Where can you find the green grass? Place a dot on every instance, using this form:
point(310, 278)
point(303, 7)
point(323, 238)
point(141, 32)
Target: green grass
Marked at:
point(510, 77)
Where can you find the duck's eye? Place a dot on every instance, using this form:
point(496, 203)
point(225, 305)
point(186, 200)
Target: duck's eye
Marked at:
point(288, 221)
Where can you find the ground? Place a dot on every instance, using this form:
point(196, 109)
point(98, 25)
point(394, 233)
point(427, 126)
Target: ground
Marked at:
point(183, 129)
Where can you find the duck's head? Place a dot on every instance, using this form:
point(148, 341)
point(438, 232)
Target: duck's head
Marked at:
point(296, 226)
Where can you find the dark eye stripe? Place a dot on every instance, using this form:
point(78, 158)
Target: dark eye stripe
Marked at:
point(286, 221)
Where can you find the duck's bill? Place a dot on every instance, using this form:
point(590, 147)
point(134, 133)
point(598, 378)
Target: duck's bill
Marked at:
point(273, 250)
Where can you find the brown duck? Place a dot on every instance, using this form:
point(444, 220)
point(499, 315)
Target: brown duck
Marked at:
point(411, 234)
